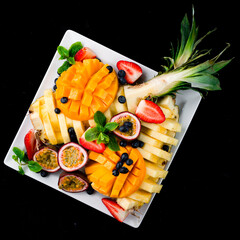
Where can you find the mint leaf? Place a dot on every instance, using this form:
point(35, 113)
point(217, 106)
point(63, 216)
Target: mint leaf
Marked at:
point(103, 138)
point(64, 67)
point(71, 60)
point(110, 126)
point(99, 118)
point(20, 170)
point(92, 134)
point(34, 166)
point(75, 47)
point(19, 153)
point(15, 158)
point(63, 52)
point(113, 144)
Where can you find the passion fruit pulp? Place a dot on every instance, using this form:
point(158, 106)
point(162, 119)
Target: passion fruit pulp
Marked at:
point(129, 125)
point(73, 182)
point(72, 157)
point(47, 158)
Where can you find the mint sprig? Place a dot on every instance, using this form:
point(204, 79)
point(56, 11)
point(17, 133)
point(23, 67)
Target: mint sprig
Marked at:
point(102, 132)
point(22, 160)
point(68, 55)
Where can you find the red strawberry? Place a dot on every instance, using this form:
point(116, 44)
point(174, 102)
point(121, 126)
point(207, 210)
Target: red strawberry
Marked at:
point(149, 111)
point(116, 210)
point(132, 70)
point(30, 143)
point(99, 148)
point(84, 53)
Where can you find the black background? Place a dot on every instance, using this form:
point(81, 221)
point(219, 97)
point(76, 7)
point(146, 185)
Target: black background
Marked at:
point(199, 194)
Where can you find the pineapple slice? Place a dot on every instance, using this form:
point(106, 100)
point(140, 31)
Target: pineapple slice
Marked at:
point(128, 203)
point(151, 186)
point(154, 171)
point(157, 151)
point(35, 113)
point(63, 127)
point(160, 136)
point(152, 141)
point(78, 128)
point(50, 106)
point(172, 125)
point(141, 196)
point(167, 102)
point(48, 128)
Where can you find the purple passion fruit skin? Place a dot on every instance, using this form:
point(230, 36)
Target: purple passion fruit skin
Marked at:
point(73, 182)
point(47, 158)
point(132, 132)
point(72, 157)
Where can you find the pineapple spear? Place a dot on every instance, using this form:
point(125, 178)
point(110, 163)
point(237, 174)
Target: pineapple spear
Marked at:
point(183, 72)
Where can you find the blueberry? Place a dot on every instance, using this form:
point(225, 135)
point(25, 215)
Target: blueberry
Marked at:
point(121, 73)
point(123, 129)
point(71, 130)
point(115, 172)
point(165, 148)
point(121, 99)
point(129, 162)
point(123, 170)
point(43, 173)
point(135, 144)
point(72, 135)
point(55, 87)
point(141, 143)
point(55, 80)
point(90, 190)
point(110, 69)
point(122, 80)
point(123, 143)
point(64, 100)
point(128, 124)
point(124, 157)
point(57, 110)
point(119, 165)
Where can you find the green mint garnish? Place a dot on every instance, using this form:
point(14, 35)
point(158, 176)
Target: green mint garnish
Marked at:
point(22, 160)
point(102, 132)
point(68, 55)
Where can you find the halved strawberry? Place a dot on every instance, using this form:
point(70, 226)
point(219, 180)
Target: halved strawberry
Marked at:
point(30, 143)
point(116, 210)
point(149, 111)
point(132, 70)
point(99, 148)
point(84, 53)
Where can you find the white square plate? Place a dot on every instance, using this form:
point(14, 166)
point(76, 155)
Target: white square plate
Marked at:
point(187, 102)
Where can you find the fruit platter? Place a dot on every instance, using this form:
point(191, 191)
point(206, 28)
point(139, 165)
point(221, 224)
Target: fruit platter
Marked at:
point(104, 129)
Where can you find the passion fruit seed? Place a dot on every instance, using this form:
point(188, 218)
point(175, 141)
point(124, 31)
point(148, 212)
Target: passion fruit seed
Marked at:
point(47, 158)
point(71, 157)
point(70, 183)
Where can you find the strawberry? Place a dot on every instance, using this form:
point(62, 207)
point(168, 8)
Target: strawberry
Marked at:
point(30, 143)
point(132, 70)
point(99, 148)
point(84, 53)
point(149, 111)
point(116, 210)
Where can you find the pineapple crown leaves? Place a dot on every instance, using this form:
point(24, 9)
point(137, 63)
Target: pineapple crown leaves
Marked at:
point(184, 62)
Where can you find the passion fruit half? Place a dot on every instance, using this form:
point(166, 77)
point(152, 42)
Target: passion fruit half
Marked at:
point(73, 182)
point(72, 157)
point(47, 158)
point(129, 125)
